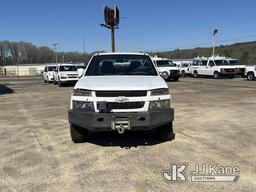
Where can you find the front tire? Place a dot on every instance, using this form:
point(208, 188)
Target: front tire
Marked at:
point(216, 75)
point(250, 77)
point(54, 82)
point(176, 79)
point(78, 134)
point(165, 132)
point(59, 83)
point(183, 74)
point(195, 74)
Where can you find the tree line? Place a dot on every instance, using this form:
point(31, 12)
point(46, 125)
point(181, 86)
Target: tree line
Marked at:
point(12, 53)
point(246, 52)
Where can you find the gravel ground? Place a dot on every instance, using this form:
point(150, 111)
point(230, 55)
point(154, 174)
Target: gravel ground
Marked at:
point(214, 124)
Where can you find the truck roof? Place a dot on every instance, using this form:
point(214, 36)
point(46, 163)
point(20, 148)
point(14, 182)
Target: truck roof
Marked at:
point(121, 53)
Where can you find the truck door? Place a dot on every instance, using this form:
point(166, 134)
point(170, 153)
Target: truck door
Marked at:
point(211, 67)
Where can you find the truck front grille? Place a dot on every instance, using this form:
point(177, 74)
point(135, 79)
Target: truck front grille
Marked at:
point(127, 105)
point(72, 76)
point(121, 93)
point(229, 70)
point(174, 72)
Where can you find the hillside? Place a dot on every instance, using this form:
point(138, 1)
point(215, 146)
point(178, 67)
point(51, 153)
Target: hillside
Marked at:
point(246, 52)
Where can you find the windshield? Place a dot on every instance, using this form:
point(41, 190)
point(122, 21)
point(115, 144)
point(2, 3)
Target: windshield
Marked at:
point(234, 62)
point(165, 63)
point(68, 68)
point(51, 68)
point(221, 62)
point(121, 65)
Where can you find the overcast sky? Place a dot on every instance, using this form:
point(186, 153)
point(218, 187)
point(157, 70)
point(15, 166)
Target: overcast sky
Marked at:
point(144, 25)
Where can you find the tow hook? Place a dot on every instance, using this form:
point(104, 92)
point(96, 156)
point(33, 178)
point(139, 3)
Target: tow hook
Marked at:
point(120, 130)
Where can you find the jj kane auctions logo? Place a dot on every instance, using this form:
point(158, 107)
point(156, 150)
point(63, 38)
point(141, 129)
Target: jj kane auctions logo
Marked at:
point(177, 172)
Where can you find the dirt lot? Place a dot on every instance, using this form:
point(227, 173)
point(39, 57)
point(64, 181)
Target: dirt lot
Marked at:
point(214, 124)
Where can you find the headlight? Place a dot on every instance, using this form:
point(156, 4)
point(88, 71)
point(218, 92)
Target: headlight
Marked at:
point(83, 106)
point(163, 91)
point(82, 92)
point(158, 105)
point(164, 75)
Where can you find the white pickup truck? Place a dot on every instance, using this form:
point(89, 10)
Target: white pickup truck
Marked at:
point(65, 73)
point(167, 69)
point(250, 73)
point(120, 92)
point(212, 66)
point(48, 73)
point(184, 69)
point(239, 68)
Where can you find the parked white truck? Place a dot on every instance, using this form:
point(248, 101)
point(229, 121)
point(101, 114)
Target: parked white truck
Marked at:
point(120, 92)
point(250, 73)
point(65, 73)
point(48, 73)
point(167, 69)
point(239, 68)
point(212, 66)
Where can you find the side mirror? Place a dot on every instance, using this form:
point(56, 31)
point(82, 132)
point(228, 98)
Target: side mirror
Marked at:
point(80, 72)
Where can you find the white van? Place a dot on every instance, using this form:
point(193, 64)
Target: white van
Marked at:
point(212, 66)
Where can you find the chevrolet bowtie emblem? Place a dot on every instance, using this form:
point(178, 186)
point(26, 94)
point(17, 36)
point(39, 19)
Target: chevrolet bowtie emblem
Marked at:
point(121, 99)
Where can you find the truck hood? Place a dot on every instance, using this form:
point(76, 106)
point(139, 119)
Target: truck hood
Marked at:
point(162, 69)
point(106, 83)
point(225, 67)
point(239, 66)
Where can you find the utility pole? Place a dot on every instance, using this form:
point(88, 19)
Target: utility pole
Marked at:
point(111, 17)
point(83, 45)
point(215, 31)
point(56, 54)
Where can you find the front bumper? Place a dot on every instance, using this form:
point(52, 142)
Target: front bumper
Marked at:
point(226, 73)
point(138, 120)
point(68, 80)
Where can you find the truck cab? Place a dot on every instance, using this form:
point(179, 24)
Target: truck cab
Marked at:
point(167, 69)
point(212, 66)
point(120, 92)
point(65, 73)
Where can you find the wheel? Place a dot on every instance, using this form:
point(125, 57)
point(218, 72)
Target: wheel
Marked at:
point(176, 79)
point(54, 82)
point(250, 76)
point(78, 134)
point(165, 132)
point(59, 83)
point(183, 74)
point(216, 75)
point(45, 81)
point(195, 74)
